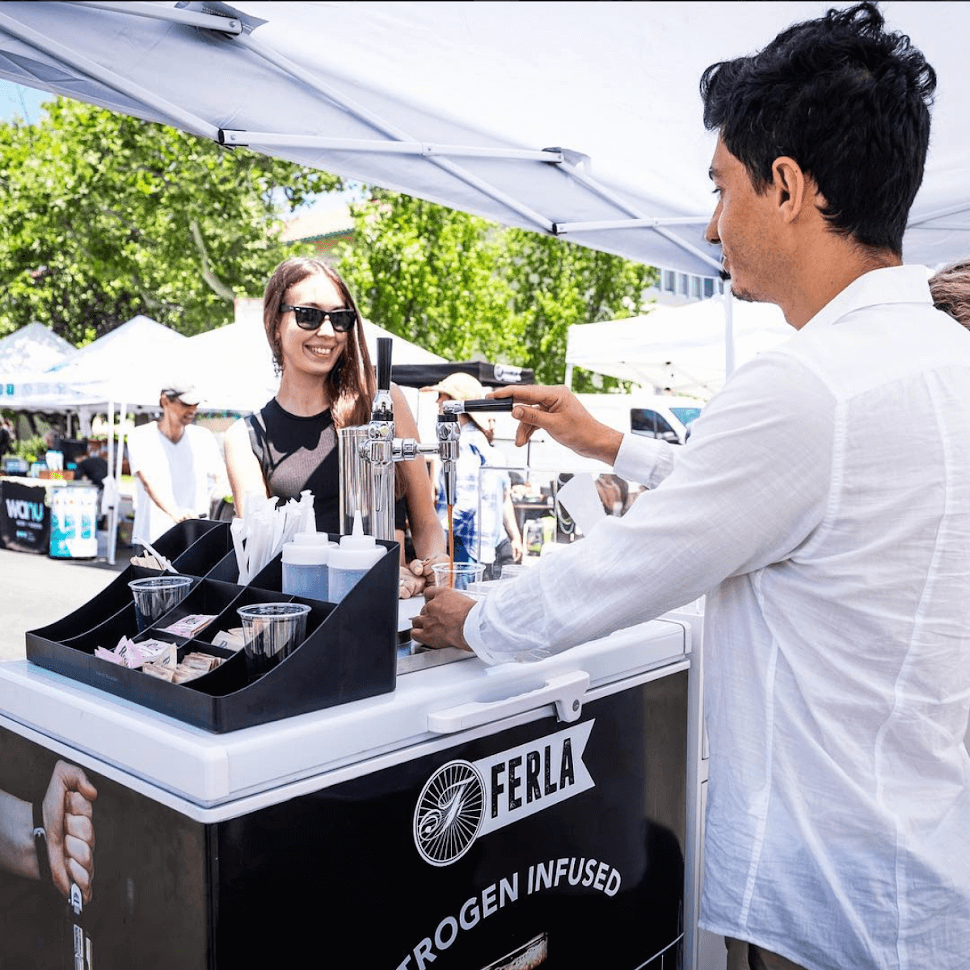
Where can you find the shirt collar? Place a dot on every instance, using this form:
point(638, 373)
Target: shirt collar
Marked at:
point(892, 284)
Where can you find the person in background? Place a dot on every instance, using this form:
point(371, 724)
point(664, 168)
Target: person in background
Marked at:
point(93, 467)
point(509, 547)
point(950, 288)
point(614, 493)
point(327, 382)
point(476, 536)
point(6, 436)
point(822, 505)
point(176, 465)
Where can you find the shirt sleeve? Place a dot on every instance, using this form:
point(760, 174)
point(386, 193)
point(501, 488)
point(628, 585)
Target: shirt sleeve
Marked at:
point(749, 486)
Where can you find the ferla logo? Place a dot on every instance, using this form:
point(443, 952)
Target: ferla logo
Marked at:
point(464, 800)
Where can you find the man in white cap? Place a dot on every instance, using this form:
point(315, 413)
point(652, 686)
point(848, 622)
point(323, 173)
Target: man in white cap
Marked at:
point(176, 465)
point(476, 537)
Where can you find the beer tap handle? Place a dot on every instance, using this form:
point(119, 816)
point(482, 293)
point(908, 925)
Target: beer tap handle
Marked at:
point(383, 409)
point(384, 345)
point(491, 404)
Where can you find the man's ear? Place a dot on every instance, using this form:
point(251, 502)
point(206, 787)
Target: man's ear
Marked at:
point(792, 188)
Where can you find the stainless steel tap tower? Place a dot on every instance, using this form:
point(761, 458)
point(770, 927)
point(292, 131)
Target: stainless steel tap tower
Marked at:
point(367, 454)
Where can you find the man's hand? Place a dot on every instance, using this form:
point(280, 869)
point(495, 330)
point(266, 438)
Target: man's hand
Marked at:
point(558, 411)
point(69, 828)
point(440, 622)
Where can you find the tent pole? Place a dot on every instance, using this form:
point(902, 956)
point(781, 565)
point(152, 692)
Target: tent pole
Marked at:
point(113, 516)
point(728, 332)
point(569, 376)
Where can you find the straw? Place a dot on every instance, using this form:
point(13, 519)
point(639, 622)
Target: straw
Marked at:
point(265, 527)
point(163, 563)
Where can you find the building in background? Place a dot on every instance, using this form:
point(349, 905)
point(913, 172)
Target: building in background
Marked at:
point(324, 227)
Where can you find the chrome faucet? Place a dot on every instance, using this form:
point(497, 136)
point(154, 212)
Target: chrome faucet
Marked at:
point(372, 461)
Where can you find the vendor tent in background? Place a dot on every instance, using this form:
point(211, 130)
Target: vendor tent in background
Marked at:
point(32, 348)
point(116, 367)
point(676, 349)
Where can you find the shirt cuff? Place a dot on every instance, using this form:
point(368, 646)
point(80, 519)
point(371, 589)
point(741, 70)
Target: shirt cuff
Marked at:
point(645, 460)
point(472, 632)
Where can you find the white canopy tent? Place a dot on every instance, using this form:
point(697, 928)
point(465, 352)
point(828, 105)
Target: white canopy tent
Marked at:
point(32, 348)
point(579, 119)
point(676, 349)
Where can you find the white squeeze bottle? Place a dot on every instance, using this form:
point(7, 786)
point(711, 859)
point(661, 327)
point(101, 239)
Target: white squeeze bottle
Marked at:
point(350, 561)
point(305, 565)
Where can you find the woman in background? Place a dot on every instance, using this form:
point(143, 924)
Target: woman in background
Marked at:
point(327, 382)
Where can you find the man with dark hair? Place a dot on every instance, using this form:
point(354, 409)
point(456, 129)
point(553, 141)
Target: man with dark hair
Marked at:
point(822, 504)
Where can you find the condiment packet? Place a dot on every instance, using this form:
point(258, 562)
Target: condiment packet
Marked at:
point(190, 625)
point(195, 665)
point(229, 639)
point(162, 671)
point(128, 653)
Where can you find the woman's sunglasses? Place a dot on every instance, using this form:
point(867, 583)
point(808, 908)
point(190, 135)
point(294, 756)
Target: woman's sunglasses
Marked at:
point(310, 317)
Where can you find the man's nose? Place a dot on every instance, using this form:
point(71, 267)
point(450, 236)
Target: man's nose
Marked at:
point(710, 233)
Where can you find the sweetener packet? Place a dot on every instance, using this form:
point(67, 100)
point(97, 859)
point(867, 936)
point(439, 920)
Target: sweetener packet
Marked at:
point(162, 671)
point(190, 625)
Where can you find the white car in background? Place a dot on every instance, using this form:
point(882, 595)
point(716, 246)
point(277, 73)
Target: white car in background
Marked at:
point(652, 415)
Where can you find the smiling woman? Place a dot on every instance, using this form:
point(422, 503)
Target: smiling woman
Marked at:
point(327, 382)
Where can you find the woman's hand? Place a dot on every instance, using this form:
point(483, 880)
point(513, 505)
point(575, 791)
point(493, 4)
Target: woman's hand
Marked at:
point(418, 575)
point(412, 584)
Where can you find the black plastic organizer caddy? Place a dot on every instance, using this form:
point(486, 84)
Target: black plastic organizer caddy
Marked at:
point(350, 649)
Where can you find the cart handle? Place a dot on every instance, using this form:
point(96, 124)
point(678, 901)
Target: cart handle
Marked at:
point(566, 692)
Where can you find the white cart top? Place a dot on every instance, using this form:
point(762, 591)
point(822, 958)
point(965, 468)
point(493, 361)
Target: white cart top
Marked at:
point(196, 770)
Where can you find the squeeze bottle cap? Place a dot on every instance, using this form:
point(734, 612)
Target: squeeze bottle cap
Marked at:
point(357, 539)
point(306, 553)
point(313, 539)
point(356, 551)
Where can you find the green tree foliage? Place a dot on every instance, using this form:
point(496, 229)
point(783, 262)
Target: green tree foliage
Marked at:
point(106, 216)
point(467, 289)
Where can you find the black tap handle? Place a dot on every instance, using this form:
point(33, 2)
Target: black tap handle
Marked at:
point(490, 404)
point(384, 345)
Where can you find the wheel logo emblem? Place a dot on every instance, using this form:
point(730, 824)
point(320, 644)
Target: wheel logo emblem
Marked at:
point(449, 813)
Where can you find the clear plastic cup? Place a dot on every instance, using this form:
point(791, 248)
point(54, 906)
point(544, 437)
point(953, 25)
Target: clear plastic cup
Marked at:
point(459, 575)
point(156, 595)
point(271, 632)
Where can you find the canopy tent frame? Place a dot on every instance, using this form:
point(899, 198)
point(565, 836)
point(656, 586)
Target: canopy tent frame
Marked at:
point(398, 142)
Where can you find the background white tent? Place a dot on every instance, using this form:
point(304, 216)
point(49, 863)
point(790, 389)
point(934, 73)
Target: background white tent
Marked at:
point(105, 370)
point(680, 349)
point(32, 348)
point(459, 103)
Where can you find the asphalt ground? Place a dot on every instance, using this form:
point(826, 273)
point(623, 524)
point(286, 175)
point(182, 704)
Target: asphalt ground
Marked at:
point(36, 590)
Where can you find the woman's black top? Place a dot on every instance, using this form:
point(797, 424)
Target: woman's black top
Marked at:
point(298, 454)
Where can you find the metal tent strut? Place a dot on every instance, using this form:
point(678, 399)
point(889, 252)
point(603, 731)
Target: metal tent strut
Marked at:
point(181, 118)
point(398, 141)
